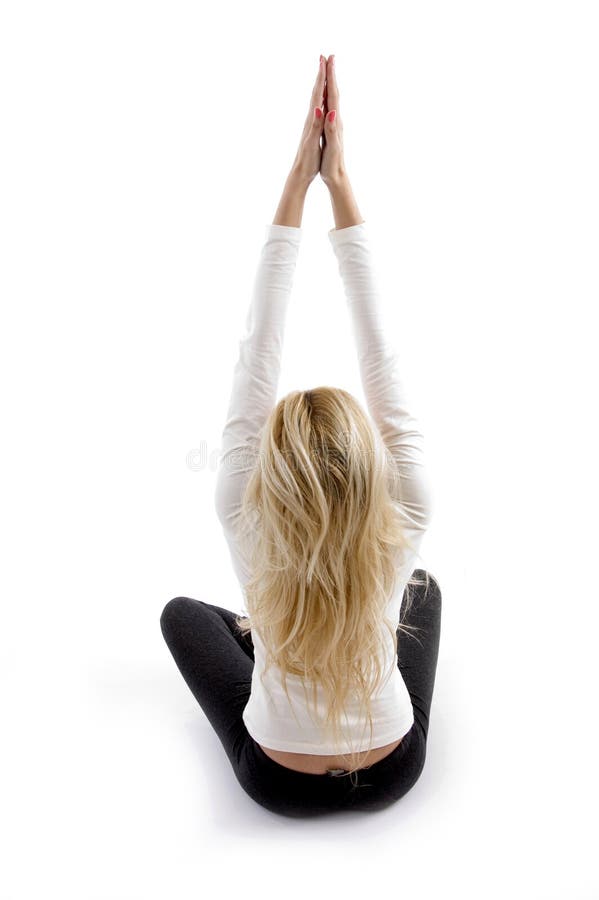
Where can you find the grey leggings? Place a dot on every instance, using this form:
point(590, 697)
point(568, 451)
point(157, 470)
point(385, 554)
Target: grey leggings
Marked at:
point(216, 661)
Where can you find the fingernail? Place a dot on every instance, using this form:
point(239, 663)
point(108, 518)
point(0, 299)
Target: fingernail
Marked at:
point(332, 115)
point(318, 112)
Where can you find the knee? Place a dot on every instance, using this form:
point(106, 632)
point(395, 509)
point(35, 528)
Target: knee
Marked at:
point(434, 589)
point(172, 614)
point(428, 587)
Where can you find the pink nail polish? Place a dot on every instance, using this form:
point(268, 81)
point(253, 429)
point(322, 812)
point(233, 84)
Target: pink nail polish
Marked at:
point(332, 115)
point(318, 112)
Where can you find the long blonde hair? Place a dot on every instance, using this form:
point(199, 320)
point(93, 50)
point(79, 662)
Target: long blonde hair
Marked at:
point(323, 539)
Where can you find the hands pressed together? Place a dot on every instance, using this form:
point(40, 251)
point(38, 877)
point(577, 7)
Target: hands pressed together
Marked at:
point(323, 120)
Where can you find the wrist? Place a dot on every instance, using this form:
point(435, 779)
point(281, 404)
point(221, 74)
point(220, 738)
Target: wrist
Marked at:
point(338, 183)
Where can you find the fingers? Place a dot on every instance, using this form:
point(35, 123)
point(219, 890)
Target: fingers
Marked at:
point(318, 90)
point(331, 86)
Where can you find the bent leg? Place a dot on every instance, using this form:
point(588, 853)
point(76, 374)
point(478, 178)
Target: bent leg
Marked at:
point(418, 651)
point(244, 640)
point(215, 664)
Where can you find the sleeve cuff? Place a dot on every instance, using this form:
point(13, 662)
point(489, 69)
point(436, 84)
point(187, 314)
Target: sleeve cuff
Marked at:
point(342, 235)
point(283, 232)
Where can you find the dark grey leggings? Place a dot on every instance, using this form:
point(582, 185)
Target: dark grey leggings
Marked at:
point(216, 661)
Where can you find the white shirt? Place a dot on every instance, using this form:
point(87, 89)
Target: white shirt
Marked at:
point(267, 715)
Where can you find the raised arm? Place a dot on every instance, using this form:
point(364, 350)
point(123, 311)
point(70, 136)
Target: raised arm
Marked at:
point(379, 363)
point(255, 378)
point(385, 394)
point(256, 374)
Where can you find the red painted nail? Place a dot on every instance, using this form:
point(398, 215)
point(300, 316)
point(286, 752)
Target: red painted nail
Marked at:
point(331, 115)
point(318, 112)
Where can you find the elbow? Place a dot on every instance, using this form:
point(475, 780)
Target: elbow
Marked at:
point(417, 501)
point(425, 508)
point(222, 498)
point(228, 495)
point(419, 517)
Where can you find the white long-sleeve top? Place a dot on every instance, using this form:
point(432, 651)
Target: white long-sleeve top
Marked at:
point(268, 716)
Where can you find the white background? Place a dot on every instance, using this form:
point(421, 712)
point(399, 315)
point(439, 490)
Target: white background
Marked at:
point(144, 148)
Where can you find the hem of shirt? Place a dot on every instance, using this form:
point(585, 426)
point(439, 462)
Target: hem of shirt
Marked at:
point(319, 749)
point(289, 232)
point(349, 233)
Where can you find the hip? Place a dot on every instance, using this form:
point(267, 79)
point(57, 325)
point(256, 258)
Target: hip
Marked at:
point(313, 764)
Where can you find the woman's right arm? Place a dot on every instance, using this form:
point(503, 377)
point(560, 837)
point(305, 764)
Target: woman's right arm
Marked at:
point(384, 391)
point(255, 378)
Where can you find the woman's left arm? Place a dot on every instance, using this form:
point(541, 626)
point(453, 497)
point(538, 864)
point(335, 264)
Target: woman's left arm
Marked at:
point(256, 373)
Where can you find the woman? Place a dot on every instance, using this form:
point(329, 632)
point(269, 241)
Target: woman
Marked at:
point(321, 696)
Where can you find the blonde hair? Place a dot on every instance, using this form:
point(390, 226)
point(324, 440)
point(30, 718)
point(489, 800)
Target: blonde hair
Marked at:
point(323, 538)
